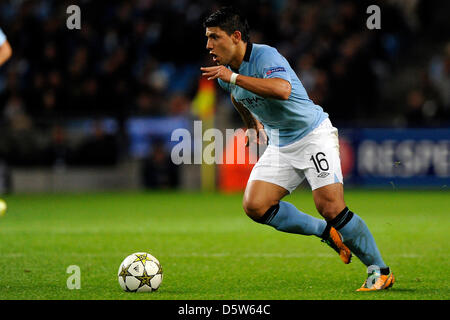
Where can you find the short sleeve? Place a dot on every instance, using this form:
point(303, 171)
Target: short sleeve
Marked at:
point(2, 37)
point(225, 85)
point(271, 64)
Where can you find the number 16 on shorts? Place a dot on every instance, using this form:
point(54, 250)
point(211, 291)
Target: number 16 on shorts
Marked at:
point(321, 164)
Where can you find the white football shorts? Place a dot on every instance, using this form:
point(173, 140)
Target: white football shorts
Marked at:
point(315, 156)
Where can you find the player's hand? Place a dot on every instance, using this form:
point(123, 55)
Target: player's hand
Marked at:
point(250, 136)
point(217, 72)
point(257, 135)
point(262, 136)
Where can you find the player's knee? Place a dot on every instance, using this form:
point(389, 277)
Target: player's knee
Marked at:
point(255, 209)
point(330, 209)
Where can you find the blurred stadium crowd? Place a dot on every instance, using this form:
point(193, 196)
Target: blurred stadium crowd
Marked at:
point(142, 58)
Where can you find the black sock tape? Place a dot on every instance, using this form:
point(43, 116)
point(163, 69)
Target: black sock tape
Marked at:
point(326, 233)
point(342, 219)
point(268, 216)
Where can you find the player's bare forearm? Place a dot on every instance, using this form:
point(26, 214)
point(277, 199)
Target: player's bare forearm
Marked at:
point(5, 52)
point(258, 135)
point(274, 88)
point(247, 117)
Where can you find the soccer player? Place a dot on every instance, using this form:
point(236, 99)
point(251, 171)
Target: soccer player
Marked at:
point(5, 48)
point(302, 144)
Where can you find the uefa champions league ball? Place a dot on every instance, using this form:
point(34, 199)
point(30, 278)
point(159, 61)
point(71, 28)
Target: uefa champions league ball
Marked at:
point(140, 272)
point(3, 207)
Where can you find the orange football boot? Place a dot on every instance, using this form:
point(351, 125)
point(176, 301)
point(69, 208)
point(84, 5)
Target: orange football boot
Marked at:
point(335, 241)
point(379, 283)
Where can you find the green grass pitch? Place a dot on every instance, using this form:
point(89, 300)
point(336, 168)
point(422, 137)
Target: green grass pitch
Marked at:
point(209, 249)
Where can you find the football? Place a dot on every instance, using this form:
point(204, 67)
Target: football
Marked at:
point(140, 272)
point(3, 207)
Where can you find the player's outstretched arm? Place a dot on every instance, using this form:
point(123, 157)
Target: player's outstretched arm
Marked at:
point(5, 52)
point(274, 88)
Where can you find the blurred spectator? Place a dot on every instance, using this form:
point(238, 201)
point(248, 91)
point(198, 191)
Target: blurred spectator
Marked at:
point(5, 178)
point(98, 149)
point(158, 170)
point(147, 104)
point(15, 114)
point(414, 102)
point(57, 153)
point(439, 74)
point(179, 105)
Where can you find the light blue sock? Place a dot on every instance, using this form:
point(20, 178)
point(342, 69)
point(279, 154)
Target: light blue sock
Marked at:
point(360, 241)
point(290, 219)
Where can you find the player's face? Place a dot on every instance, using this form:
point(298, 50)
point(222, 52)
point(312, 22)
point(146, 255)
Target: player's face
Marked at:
point(220, 45)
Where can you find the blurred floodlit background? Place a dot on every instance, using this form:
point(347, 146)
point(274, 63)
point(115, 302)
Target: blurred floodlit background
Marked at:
point(94, 109)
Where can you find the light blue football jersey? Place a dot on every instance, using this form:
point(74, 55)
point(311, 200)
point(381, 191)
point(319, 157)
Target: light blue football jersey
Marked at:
point(2, 37)
point(285, 121)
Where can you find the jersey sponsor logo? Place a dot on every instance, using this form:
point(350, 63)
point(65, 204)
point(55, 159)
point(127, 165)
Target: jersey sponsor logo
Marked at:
point(275, 69)
point(249, 101)
point(323, 175)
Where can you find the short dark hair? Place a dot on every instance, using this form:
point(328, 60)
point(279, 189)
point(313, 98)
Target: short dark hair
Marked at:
point(229, 19)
